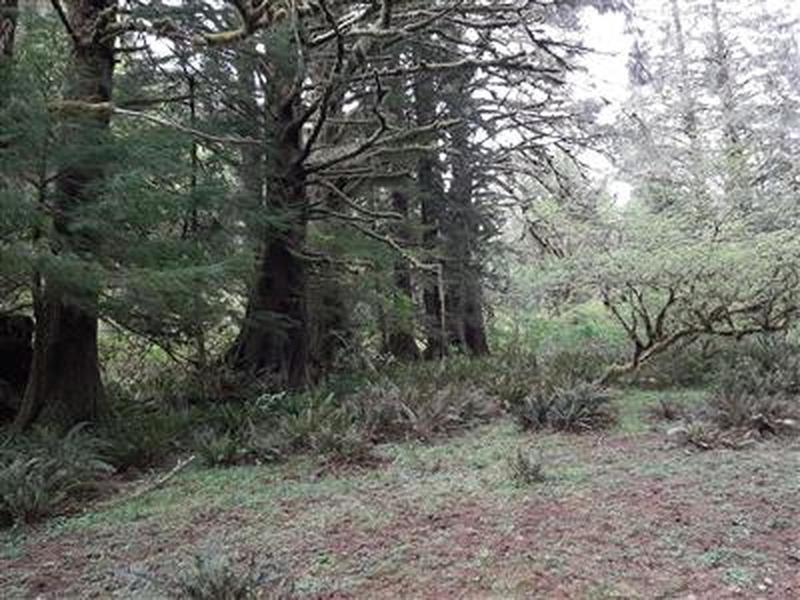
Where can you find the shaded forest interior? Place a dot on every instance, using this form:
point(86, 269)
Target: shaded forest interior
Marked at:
point(235, 232)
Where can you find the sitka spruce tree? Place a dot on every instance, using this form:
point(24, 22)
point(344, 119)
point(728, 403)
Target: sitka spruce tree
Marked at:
point(305, 183)
point(65, 385)
point(107, 222)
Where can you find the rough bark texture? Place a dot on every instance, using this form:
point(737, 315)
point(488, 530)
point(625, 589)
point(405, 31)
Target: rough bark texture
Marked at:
point(274, 338)
point(400, 341)
point(429, 188)
point(465, 322)
point(65, 387)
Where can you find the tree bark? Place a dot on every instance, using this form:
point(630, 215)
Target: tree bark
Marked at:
point(65, 387)
point(400, 341)
point(273, 340)
point(431, 196)
point(461, 230)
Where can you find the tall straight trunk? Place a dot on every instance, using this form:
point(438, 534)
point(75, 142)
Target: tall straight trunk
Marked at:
point(331, 317)
point(466, 326)
point(65, 387)
point(400, 341)
point(432, 293)
point(274, 337)
point(737, 173)
point(431, 196)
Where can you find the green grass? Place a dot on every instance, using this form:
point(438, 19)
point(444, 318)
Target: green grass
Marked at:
point(447, 517)
point(635, 405)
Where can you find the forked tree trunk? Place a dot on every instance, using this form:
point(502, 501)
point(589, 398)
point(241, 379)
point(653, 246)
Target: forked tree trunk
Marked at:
point(65, 387)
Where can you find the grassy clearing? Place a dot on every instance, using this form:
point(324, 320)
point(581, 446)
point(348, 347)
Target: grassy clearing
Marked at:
point(622, 514)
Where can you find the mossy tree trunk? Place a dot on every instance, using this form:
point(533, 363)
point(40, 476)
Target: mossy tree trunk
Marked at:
point(400, 341)
point(273, 340)
point(461, 230)
point(65, 387)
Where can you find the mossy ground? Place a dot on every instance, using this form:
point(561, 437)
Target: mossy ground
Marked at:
point(621, 514)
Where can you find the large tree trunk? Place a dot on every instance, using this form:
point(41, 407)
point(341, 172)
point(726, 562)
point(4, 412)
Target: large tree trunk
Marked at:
point(464, 317)
point(400, 341)
point(274, 337)
point(431, 196)
point(65, 387)
point(459, 223)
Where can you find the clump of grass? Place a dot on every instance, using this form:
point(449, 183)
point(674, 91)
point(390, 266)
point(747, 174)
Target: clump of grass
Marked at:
point(525, 469)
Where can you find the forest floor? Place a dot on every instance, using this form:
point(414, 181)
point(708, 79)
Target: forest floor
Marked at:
point(623, 514)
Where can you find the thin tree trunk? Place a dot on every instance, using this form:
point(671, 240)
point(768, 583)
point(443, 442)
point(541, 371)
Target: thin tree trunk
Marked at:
point(687, 95)
point(65, 387)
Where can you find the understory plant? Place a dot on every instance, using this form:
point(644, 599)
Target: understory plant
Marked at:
point(216, 575)
point(41, 470)
point(576, 407)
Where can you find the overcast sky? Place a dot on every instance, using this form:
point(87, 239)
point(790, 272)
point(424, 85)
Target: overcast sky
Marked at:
point(606, 73)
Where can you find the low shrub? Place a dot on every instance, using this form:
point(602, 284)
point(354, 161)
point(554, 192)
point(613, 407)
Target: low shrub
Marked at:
point(758, 388)
point(214, 575)
point(511, 376)
point(761, 413)
point(39, 471)
point(763, 365)
point(706, 436)
point(565, 367)
point(688, 365)
point(217, 448)
point(391, 412)
point(320, 424)
point(575, 407)
point(144, 434)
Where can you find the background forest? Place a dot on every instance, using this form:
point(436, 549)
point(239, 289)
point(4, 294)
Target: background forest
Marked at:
point(239, 232)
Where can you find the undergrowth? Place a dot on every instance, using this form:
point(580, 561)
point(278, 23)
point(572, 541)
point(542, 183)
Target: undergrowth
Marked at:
point(41, 470)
